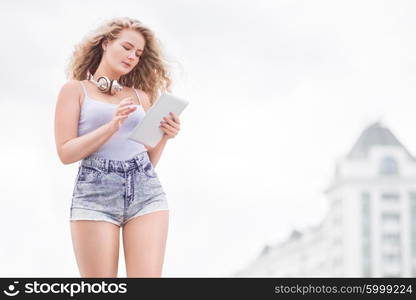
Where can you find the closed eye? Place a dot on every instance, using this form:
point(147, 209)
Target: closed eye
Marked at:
point(129, 49)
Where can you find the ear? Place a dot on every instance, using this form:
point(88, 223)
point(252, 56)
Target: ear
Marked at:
point(104, 44)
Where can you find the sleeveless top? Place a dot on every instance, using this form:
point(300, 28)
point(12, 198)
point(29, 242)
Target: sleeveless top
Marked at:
point(95, 113)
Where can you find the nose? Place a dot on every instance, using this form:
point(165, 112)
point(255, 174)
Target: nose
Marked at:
point(131, 55)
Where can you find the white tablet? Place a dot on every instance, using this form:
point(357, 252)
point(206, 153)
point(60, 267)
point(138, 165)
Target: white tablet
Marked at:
point(147, 131)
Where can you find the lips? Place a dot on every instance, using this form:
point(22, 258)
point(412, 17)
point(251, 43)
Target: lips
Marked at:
point(126, 64)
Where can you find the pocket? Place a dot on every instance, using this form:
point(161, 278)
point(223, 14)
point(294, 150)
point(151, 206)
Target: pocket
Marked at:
point(89, 175)
point(149, 170)
point(76, 180)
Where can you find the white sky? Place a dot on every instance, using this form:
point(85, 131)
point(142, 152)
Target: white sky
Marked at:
point(278, 91)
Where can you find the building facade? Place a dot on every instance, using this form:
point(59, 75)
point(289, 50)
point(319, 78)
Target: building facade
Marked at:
point(370, 227)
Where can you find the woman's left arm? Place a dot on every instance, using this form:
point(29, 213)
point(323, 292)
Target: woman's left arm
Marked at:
point(170, 126)
point(156, 152)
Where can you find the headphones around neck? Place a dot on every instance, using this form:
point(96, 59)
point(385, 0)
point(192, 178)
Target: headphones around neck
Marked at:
point(105, 85)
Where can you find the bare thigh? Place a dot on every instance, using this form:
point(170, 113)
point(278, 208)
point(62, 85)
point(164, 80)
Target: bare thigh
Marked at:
point(96, 247)
point(144, 243)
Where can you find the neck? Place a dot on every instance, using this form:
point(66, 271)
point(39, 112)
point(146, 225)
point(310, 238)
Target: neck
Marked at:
point(104, 71)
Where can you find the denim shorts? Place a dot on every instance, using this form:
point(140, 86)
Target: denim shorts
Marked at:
point(116, 190)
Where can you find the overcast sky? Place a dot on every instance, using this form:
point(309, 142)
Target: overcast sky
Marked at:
point(278, 91)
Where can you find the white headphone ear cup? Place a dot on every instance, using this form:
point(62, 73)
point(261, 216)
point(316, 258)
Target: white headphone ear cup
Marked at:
point(115, 87)
point(103, 84)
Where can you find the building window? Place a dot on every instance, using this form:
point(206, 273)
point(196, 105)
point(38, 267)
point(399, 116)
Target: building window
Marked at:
point(390, 197)
point(389, 166)
point(390, 217)
point(391, 275)
point(391, 258)
point(391, 238)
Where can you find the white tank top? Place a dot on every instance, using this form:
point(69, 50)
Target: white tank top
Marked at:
point(95, 113)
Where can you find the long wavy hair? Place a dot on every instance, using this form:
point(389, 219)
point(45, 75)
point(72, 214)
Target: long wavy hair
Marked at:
point(151, 74)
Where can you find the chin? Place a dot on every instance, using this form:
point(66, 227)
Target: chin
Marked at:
point(124, 71)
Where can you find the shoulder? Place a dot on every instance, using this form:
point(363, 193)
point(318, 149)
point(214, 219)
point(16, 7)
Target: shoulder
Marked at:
point(72, 86)
point(71, 89)
point(144, 98)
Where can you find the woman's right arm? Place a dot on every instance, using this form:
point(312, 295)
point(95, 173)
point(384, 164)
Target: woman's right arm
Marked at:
point(71, 147)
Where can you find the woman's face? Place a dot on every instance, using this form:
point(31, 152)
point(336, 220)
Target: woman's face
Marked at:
point(123, 53)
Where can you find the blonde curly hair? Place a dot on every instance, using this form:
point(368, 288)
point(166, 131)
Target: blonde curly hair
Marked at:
point(150, 74)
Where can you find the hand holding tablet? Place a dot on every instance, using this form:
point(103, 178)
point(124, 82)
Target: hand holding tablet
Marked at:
point(147, 131)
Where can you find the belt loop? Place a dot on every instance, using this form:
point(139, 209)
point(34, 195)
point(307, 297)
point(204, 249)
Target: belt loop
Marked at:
point(106, 163)
point(136, 159)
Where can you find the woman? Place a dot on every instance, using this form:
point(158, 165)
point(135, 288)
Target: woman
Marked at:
point(117, 185)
